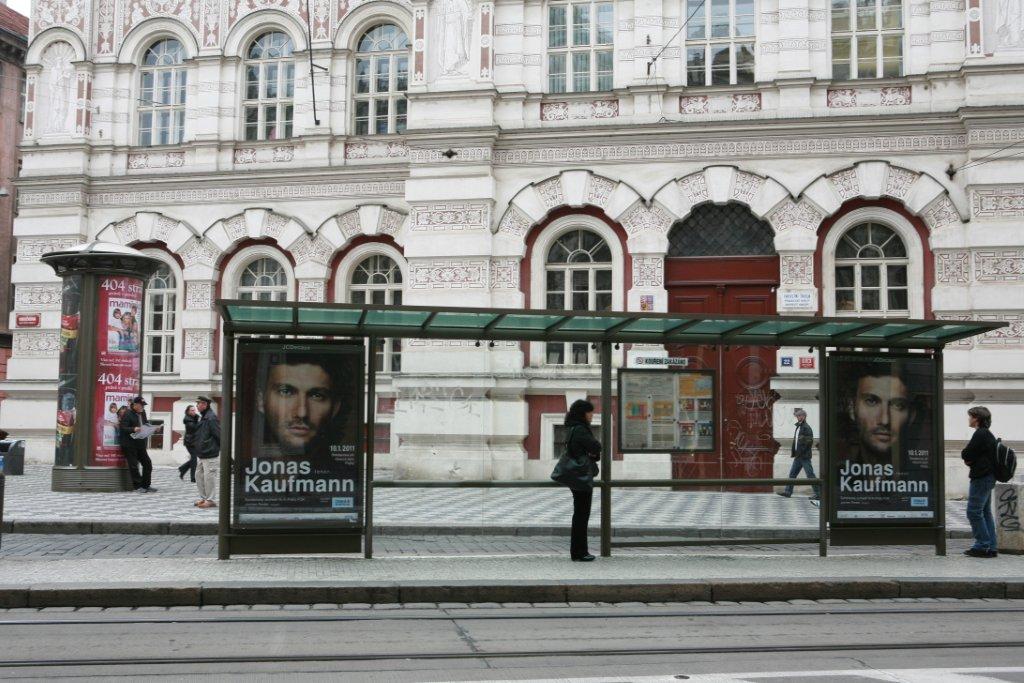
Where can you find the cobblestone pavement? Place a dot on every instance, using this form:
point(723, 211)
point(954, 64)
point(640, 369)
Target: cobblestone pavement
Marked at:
point(29, 498)
point(82, 546)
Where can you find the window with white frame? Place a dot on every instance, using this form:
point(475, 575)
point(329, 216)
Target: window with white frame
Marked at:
point(378, 280)
point(381, 77)
point(719, 42)
point(871, 272)
point(580, 54)
point(162, 87)
point(264, 279)
point(161, 321)
point(578, 277)
point(867, 39)
point(268, 109)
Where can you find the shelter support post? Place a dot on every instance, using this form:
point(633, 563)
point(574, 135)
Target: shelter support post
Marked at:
point(226, 429)
point(824, 454)
point(606, 450)
point(940, 460)
point(371, 432)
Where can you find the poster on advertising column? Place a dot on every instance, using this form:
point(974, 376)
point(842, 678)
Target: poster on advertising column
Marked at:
point(666, 411)
point(118, 362)
point(884, 453)
point(300, 438)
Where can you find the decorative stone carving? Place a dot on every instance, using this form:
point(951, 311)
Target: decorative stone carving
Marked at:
point(454, 216)
point(720, 104)
point(235, 227)
point(564, 111)
point(349, 224)
point(376, 150)
point(273, 224)
point(1005, 265)
point(797, 269)
point(998, 202)
point(952, 267)
point(35, 344)
point(127, 230)
point(390, 222)
point(197, 343)
point(504, 273)
point(746, 187)
point(1005, 336)
point(649, 272)
point(264, 192)
point(695, 188)
point(515, 223)
point(1009, 24)
point(72, 14)
point(646, 219)
point(264, 155)
point(30, 249)
point(37, 297)
point(451, 37)
point(958, 317)
point(550, 192)
point(898, 182)
point(599, 190)
point(846, 183)
point(162, 227)
point(316, 250)
point(844, 98)
point(791, 215)
point(58, 89)
point(199, 251)
point(198, 295)
point(312, 290)
point(941, 213)
point(156, 160)
point(448, 274)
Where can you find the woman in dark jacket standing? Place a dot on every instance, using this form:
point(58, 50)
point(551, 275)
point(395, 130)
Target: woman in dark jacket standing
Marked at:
point(581, 445)
point(980, 456)
point(191, 425)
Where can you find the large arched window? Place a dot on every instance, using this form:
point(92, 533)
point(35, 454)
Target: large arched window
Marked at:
point(729, 230)
point(269, 87)
point(381, 78)
point(578, 277)
point(378, 280)
point(161, 321)
point(263, 280)
point(162, 87)
point(871, 271)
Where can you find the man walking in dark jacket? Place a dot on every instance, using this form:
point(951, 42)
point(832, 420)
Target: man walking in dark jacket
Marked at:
point(134, 450)
point(803, 441)
point(980, 455)
point(207, 453)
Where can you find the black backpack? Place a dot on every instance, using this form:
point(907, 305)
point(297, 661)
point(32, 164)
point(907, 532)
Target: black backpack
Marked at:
point(1006, 462)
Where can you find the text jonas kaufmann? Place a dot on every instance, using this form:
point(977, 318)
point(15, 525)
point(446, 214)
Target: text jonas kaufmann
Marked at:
point(292, 476)
point(854, 478)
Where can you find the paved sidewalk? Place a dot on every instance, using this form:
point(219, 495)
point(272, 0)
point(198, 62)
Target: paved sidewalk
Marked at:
point(28, 499)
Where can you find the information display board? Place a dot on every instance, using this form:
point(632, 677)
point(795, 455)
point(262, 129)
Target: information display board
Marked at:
point(666, 411)
point(299, 448)
point(884, 451)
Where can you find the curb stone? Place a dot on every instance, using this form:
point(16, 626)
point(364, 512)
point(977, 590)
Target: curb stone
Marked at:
point(468, 592)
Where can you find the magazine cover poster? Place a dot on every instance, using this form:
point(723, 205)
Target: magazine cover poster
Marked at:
point(882, 440)
point(299, 435)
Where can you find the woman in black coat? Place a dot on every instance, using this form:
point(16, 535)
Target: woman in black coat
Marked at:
point(191, 425)
point(581, 445)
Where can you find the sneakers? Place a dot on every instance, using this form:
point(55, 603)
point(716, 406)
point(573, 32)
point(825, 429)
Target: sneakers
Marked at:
point(784, 495)
point(978, 552)
point(149, 489)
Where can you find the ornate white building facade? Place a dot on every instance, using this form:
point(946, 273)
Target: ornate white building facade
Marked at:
point(635, 154)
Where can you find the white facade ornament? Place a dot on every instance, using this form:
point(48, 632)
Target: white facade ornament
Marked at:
point(792, 215)
point(898, 182)
point(797, 269)
point(941, 213)
point(515, 223)
point(643, 219)
point(504, 273)
point(648, 272)
point(452, 26)
point(952, 267)
point(550, 192)
point(695, 188)
point(198, 296)
point(599, 190)
point(197, 343)
point(312, 291)
point(846, 183)
point(1010, 23)
point(59, 92)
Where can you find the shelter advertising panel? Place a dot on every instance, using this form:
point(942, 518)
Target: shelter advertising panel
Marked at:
point(300, 448)
point(884, 452)
point(666, 411)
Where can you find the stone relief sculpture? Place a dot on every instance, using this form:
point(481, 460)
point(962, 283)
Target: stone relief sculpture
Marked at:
point(60, 76)
point(452, 26)
point(1010, 23)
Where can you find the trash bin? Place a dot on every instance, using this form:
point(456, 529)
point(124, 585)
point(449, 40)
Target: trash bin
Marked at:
point(13, 453)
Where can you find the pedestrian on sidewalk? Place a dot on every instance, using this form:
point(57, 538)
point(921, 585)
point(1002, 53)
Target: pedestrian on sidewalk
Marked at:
point(803, 441)
point(577, 468)
point(207, 453)
point(980, 457)
point(134, 450)
point(191, 420)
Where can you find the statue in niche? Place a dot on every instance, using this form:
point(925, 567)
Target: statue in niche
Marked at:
point(1010, 23)
point(453, 25)
point(60, 75)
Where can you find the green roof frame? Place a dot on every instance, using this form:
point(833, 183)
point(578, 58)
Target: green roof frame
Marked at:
point(630, 327)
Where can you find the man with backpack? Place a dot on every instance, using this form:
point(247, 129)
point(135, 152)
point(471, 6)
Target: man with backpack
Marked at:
point(980, 456)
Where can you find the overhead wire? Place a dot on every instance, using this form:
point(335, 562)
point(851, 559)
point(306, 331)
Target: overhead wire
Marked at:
point(982, 160)
point(674, 36)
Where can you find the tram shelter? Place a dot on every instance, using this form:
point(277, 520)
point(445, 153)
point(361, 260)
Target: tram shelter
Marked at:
point(915, 340)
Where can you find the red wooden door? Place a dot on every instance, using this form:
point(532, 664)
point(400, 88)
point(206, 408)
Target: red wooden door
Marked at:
point(745, 447)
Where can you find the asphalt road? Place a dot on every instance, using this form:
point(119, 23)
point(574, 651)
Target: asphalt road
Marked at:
point(839, 641)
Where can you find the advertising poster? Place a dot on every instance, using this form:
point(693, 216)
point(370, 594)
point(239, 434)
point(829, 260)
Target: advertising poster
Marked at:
point(67, 373)
point(882, 438)
point(300, 436)
point(118, 361)
point(667, 411)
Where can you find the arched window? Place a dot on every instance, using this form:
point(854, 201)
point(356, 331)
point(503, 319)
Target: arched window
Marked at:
point(161, 321)
point(381, 77)
point(263, 280)
point(162, 86)
point(269, 87)
point(729, 230)
point(578, 277)
point(378, 280)
point(871, 271)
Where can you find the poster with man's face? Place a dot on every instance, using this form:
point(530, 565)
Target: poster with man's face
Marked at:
point(299, 435)
point(882, 437)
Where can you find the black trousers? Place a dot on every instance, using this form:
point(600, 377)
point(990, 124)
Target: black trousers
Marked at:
point(189, 466)
point(136, 457)
point(581, 501)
